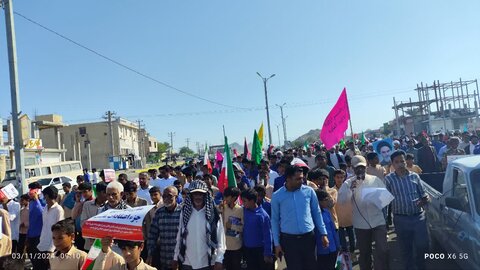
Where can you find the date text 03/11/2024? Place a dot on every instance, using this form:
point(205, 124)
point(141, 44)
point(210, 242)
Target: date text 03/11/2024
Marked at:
point(39, 256)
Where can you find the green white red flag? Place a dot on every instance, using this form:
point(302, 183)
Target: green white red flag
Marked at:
point(92, 255)
point(227, 176)
point(206, 161)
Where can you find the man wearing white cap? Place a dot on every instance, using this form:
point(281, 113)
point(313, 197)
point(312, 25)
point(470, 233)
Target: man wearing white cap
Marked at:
point(368, 219)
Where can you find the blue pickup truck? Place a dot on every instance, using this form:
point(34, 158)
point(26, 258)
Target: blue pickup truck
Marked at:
point(453, 216)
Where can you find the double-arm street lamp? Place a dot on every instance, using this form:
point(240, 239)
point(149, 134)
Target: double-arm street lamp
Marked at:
point(266, 105)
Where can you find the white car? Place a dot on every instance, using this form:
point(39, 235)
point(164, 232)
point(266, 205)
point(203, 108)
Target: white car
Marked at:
point(57, 182)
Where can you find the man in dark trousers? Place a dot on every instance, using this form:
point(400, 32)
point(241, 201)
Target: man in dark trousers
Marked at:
point(295, 217)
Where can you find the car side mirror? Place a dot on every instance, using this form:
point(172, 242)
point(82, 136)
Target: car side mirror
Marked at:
point(454, 203)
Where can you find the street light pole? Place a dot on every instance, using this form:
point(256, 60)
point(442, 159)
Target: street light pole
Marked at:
point(283, 123)
point(17, 131)
point(266, 105)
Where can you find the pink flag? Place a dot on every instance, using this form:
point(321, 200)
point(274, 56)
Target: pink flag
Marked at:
point(219, 156)
point(336, 122)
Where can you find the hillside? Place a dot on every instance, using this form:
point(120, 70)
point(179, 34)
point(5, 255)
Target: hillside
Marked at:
point(309, 137)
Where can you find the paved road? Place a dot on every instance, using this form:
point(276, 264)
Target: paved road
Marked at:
point(396, 263)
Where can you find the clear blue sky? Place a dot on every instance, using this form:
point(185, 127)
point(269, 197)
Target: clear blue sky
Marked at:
point(377, 49)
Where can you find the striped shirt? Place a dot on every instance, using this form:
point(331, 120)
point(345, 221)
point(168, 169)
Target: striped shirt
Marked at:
point(407, 190)
point(164, 230)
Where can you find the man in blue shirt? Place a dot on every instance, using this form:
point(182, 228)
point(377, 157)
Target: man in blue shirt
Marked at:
point(295, 217)
point(36, 223)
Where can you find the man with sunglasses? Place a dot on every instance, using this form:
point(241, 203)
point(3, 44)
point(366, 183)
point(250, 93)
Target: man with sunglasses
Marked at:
point(163, 231)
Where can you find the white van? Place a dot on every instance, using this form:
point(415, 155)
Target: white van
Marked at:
point(33, 173)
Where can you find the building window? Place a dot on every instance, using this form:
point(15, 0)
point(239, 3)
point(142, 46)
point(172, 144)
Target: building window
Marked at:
point(149, 144)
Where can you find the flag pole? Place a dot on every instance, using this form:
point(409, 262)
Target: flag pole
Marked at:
point(349, 120)
point(224, 130)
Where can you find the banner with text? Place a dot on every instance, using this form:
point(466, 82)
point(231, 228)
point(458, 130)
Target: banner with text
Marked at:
point(123, 224)
point(336, 122)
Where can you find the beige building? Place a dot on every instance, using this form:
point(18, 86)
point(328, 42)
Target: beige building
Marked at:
point(35, 152)
point(91, 143)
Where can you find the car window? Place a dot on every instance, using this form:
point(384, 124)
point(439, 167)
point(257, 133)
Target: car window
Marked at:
point(66, 179)
point(56, 180)
point(460, 190)
point(45, 181)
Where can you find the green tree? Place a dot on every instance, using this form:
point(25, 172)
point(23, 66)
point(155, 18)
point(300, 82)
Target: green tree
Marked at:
point(162, 149)
point(186, 152)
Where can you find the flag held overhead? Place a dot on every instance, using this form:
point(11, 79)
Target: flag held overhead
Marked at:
point(336, 122)
point(227, 176)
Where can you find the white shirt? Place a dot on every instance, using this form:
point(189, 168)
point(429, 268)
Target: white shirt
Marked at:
point(334, 160)
point(49, 217)
point(196, 253)
point(162, 183)
point(272, 175)
point(145, 194)
point(95, 178)
point(14, 212)
point(365, 213)
point(472, 148)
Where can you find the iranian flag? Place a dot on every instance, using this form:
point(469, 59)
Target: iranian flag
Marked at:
point(206, 161)
point(92, 255)
point(227, 176)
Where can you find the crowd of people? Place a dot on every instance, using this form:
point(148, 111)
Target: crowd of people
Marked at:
point(302, 207)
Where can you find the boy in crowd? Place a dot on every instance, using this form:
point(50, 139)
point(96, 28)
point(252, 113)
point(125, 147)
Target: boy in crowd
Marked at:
point(24, 199)
point(107, 259)
point(52, 213)
point(156, 198)
point(66, 255)
point(132, 199)
point(257, 233)
point(263, 201)
point(327, 257)
point(344, 215)
point(411, 166)
point(232, 214)
point(374, 167)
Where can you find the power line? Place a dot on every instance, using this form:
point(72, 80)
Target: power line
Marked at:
point(123, 65)
point(251, 109)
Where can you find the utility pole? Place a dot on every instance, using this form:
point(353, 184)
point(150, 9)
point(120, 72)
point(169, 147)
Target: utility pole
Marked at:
point(283, 123)
point(278, 132)
point(266, 104)
point(171, 134)
point(141, 142)
point(108, 116)
point(89, 150)
point(12, 60)
point(187, 140)
point(396, 116)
